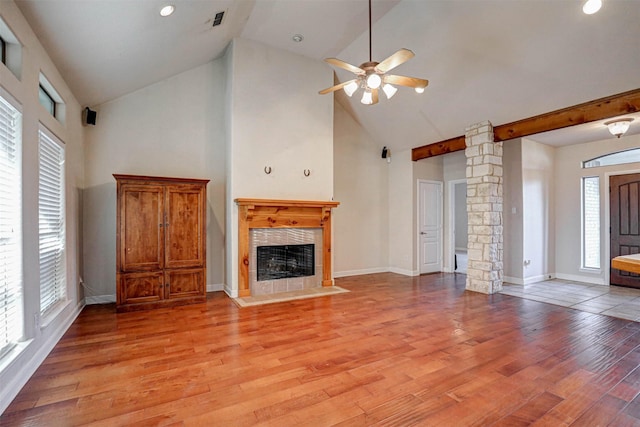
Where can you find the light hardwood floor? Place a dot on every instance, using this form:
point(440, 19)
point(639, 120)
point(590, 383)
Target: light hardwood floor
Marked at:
point(394, 351)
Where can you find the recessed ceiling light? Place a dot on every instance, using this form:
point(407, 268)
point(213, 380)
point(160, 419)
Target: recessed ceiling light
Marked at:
point(167, 10)
point(591, 6)
point(297, 38)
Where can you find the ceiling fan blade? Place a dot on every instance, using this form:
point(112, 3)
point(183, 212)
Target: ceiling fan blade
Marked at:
point(406, 81)
point(336, 87)
point(344, 65)
point(374, 96)
point(398, 58)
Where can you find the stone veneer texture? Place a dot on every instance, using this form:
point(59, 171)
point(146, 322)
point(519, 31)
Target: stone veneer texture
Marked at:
point(284, 236)
point(484, 209)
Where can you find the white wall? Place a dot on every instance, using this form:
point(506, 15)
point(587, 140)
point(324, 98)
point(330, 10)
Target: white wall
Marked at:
point(277, 120)
point(361, 230)
point(17, 366)
point(512, 212)
point(403, 201)
point(401, 214)
point(172, 128)
point(538, 179)
point(568, 174)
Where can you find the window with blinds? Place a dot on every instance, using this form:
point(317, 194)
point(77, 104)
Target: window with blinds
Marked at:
point(51, 218)
point(11, 329)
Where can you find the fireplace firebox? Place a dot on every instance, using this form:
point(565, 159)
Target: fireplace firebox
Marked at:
point(285, 261)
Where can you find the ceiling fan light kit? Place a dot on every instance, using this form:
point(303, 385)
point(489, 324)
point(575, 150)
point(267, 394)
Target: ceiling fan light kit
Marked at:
point(371, 76)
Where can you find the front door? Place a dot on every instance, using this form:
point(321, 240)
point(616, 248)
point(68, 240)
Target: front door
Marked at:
point(625, 231)
point(430, 226)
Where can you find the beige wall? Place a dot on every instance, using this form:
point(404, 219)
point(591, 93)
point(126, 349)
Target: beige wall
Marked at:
point(538, 180)
point(403, 188)
point(512, 213)
point(401, 213)
point(172, 128)
point(41, 334)
point(361, 229)
point(277, 120)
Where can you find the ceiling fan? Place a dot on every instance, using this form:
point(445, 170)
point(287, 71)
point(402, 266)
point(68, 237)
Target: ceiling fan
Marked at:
point(371, 76)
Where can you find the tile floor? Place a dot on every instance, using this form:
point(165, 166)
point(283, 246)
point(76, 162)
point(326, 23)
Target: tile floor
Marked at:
point(612, 301)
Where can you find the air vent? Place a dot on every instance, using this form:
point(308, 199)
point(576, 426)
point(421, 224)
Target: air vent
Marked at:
point(217, 20)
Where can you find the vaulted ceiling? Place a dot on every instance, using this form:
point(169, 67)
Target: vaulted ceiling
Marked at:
point(498, 60)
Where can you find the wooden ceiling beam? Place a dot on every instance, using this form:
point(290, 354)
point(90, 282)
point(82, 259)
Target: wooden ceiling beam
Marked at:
point(599, 109)
point(438, 148)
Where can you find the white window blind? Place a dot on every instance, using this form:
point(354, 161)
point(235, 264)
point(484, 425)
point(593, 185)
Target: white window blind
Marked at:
point(10, 226)
point(51, 218)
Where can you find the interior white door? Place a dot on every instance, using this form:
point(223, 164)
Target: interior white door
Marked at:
point(430, 226)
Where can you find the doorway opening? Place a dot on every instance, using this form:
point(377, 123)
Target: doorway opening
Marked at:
point(458, 224)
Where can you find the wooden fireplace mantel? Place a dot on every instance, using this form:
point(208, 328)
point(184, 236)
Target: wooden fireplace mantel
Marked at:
point(270, 213)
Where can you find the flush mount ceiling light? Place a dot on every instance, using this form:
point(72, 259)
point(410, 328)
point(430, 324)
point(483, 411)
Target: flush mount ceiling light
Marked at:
point(619, 127)
point(167, 10)
point(591, 6)
point(371, 76)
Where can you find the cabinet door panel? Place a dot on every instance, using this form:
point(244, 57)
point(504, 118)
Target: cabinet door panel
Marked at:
point(184, 283)
point(141, 227)
point(141, 288)
point(185, 233)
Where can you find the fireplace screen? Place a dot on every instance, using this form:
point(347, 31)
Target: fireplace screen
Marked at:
point(281, 262)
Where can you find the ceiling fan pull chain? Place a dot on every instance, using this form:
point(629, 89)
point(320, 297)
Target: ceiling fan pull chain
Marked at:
point(370, 32)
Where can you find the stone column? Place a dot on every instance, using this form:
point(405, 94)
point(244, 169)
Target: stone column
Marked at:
point(484, 209)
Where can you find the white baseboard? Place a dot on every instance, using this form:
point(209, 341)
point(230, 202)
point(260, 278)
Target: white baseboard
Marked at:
point(347, 273)
point(539, 278)
point(528, 280)
point(513, 280)
point(583, 279)
point(26, 368)
point(232, 293)
point(571, 277)
point(215, 287)
point(100, 299)
point(404, 272)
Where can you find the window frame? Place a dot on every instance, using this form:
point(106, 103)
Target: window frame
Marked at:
point(3, 54)
point(583, 225)
point(13, 309)
point(57, 288)
point(622, 157)
point(52, 110)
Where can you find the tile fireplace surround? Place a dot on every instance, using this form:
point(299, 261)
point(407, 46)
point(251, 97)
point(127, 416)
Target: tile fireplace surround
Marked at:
point(284, 236)
point(282, 214)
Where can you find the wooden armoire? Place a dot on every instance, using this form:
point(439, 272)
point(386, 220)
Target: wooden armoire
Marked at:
point(160, 241)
